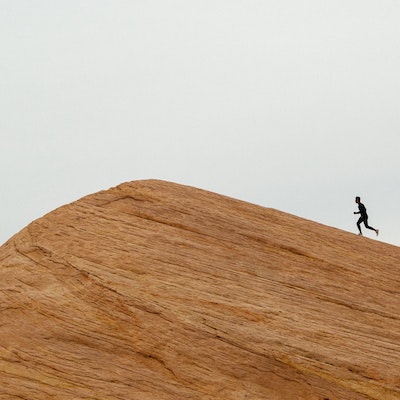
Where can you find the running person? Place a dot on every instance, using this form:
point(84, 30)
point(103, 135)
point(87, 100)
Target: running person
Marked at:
point(363, 217)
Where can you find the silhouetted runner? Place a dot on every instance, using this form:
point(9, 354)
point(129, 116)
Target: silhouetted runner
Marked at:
point(364, 217)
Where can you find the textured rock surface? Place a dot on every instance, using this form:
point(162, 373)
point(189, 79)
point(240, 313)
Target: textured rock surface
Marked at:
point(153, 290)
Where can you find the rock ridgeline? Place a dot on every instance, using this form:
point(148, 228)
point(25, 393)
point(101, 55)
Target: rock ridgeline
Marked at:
point(153, 290)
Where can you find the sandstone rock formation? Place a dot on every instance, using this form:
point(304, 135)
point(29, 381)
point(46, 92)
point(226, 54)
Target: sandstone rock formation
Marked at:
point(153, 290)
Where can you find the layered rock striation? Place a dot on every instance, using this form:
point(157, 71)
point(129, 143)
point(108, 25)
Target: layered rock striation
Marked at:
point(153, 290)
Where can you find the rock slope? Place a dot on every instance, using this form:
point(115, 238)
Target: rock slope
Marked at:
point(153, 290)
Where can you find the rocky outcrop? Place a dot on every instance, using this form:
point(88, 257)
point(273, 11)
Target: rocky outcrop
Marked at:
point(153, 290)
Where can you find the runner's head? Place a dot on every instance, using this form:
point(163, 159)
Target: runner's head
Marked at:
point(358, 199)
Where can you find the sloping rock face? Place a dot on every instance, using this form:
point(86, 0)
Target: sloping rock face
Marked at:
point(153, 290)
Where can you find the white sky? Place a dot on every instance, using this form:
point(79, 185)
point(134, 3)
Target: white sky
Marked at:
point(290, 104)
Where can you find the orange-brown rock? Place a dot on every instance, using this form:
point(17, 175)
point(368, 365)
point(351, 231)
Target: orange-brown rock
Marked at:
point(153, 290)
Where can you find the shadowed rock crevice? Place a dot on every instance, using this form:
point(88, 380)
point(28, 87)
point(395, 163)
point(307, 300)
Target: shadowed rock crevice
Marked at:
point(157, 290)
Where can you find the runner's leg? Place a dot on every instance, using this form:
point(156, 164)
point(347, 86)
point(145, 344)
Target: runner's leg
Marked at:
point(361, 219)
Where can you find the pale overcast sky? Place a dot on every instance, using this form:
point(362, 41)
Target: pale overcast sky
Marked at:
point(290, 104)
